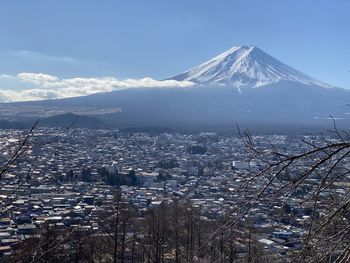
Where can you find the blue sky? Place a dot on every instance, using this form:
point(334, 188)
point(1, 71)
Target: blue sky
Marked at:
point(160, 38)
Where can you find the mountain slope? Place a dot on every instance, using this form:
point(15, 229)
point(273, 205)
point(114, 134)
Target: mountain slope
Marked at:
point(245, 67)
point(241, 85)
point(72, 120)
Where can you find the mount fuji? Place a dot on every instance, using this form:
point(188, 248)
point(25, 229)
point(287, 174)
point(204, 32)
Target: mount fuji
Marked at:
point(241, 85)
point(245, 66)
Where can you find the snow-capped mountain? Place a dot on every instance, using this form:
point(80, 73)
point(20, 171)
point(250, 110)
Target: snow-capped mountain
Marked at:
point(242, 85)
point(246, 66)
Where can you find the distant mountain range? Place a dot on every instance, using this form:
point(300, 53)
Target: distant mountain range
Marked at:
point(241, 85)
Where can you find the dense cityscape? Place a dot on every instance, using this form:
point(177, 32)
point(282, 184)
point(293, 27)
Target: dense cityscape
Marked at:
point(66, 179)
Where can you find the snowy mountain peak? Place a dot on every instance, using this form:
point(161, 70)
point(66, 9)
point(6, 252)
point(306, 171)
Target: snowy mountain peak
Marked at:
point(246, 66)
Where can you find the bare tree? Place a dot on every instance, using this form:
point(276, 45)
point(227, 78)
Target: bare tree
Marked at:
point(314, 182)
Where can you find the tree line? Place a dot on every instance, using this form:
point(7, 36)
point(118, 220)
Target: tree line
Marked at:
point(170, 232)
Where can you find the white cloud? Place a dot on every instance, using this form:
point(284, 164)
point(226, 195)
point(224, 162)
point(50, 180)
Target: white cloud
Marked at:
point(28, 95)
point(52, 87)
point(36, 78)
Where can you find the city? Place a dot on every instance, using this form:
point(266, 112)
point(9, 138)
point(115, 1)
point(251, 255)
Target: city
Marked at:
point(66, 177)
